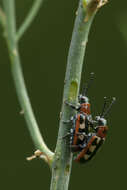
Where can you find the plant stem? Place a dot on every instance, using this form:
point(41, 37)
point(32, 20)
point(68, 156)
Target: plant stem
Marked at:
point(2, 18)
point(10, 35)
point(63, 157)
point(29, 19)
point(62, 160)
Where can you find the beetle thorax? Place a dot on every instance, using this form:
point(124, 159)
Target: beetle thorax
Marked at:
point(85, 108)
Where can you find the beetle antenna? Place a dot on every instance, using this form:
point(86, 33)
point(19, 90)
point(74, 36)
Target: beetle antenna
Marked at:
point(108, 109)
point(85, 90)
point(104, 106)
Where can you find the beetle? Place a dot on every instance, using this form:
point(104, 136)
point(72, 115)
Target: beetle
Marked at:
point(81, 122)
point(95, 140)
point(89, 149)
point(93, 143)
point(79, 132)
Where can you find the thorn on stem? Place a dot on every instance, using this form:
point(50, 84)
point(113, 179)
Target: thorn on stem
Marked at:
point(76, 13)
point(21, 112)
point(31, 158)
point(37, 153)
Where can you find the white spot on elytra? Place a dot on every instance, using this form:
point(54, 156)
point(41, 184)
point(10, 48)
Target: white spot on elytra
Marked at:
point(81, 137)
point(86, 156)
point(82, 126)
point(98, 140)
point(92, 148)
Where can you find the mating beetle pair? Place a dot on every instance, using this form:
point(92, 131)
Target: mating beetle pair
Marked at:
point(86, 134)
point(95, 138)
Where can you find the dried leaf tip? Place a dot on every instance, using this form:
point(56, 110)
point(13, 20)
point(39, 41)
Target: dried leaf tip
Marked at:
point(92, 6)
point(37, 153)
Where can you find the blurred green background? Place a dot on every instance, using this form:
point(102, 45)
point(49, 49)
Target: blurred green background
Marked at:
point(44, 49)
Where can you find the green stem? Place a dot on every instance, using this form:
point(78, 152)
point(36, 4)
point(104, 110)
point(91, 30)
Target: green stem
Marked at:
point(63, 157)
point(10, 31)
point(30, 17)
point(2, 18)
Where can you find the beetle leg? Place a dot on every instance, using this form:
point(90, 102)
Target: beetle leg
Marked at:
point(67, 135)
point(81, 133)
point(67, 121)
point(72, 106)
point(74, 146)
point(70, 121)
point(82, 146)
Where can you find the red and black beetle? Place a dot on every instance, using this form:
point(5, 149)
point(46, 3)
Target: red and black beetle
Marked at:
point(95, 140)
point(81, 122)
point(90, 149)
point(79, 131)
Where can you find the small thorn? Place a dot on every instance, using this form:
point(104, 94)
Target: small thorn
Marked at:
point(31, 158)
point(114, 99)
point(21, 112)
point(37, 153)
point(92, 73)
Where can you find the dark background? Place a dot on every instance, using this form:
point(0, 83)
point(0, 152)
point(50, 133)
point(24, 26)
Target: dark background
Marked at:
point(44, 49)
